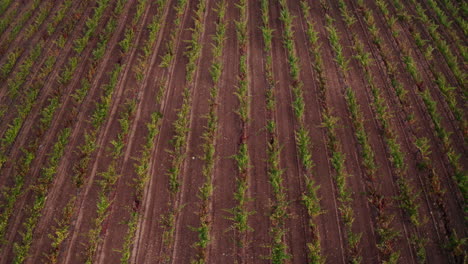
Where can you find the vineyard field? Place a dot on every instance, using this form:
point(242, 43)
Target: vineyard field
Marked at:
point(233, 131)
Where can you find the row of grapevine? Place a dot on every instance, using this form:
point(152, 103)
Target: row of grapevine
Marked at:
point(240, 212)
point(279, 214)
point(338, 158)
point(209, 137)
point(302, 138)
point(182, 125)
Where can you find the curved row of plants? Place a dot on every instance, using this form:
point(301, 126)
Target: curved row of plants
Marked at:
point(7, 20)
point(13, 56)
point(454, 10)
point(447, 22)
point(447, 91)
point(427, 49)
point(387, 235)
point(91, 137)
point(46, 117)
point(29, 100)
point(431, 108)
point(142, 168)
point(423, 146)
point(47, 175)
point(18, 24)
point(4, 6)
point(441, 43)
point(22, 164)
point(420, 143)
point(408, 197)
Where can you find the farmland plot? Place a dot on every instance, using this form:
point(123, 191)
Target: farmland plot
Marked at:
point(244, 131)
